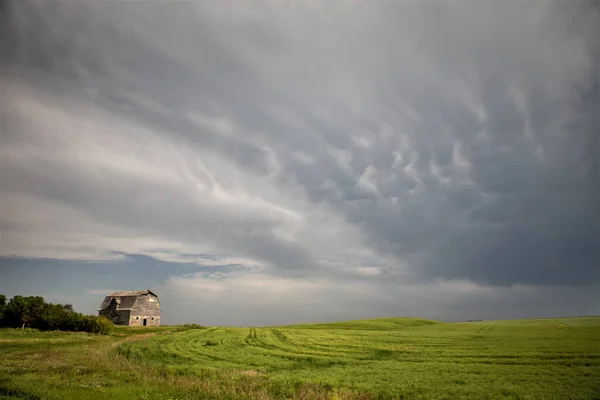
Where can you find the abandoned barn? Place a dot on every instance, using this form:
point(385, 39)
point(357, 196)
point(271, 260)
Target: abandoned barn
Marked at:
point(133, 308)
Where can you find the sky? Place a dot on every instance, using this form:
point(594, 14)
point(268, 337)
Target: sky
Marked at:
point(275, 161)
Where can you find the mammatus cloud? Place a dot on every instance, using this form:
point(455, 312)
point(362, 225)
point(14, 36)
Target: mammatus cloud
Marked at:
point(364, 145)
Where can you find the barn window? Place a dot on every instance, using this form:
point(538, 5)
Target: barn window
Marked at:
point(153, 318)
point(137, 317)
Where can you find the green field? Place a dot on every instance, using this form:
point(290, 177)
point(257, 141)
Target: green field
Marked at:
point(370, 359)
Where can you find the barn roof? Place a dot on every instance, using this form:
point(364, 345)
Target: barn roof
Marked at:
point(131, 293)
point(126, 299)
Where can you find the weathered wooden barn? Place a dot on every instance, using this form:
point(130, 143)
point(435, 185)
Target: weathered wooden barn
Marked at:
point(133, 308)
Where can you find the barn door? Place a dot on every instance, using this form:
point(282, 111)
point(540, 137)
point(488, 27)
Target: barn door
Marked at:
point(145, 321)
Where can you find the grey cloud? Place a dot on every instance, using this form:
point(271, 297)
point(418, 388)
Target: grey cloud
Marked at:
point(144, 206)
point(404, 89)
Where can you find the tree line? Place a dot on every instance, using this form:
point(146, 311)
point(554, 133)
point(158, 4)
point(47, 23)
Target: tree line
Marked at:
point(34, 312)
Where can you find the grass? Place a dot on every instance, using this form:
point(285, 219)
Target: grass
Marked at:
point(397, 358)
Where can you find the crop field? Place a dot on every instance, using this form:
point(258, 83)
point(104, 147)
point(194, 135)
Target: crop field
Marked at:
point(371, 359)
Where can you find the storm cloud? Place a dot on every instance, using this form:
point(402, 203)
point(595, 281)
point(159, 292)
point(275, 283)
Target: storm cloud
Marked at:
point(330, 148)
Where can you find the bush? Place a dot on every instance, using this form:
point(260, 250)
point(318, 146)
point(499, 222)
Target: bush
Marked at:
point(77, 322)
point(103, 325)
point(188, 327)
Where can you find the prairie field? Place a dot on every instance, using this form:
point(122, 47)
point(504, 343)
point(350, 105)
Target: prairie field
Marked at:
point(395, 358)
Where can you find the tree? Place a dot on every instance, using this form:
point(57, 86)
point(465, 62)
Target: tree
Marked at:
point(25, 309)
point(2, 307)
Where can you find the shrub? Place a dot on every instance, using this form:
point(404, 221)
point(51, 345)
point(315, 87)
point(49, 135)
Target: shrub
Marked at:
point(103, 325)
point(188, 327)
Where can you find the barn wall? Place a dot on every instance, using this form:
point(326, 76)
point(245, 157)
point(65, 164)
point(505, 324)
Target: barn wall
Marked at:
point(150, 321)
point(146, 307)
